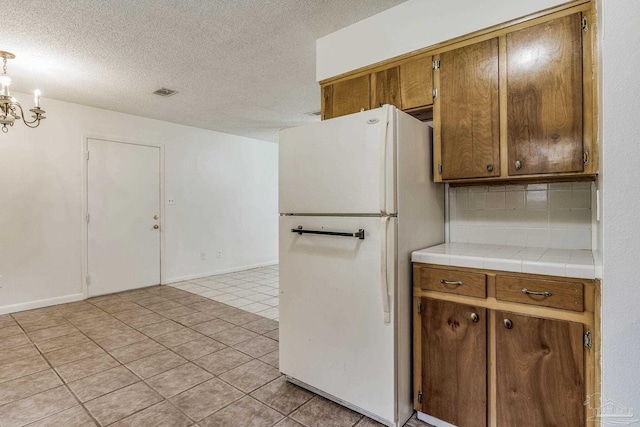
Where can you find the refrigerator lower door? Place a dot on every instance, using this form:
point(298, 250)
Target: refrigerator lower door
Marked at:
point(334, 290)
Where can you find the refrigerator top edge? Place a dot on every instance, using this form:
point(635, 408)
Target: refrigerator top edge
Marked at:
point(346, 165)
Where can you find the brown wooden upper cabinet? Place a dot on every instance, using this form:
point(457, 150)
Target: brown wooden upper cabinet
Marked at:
point(516, 101)
point(408, 86)
point(416, 83)
point(516, 106)
point(387, 88)
point(346, 97)
point(467, 112)
point(544, 97)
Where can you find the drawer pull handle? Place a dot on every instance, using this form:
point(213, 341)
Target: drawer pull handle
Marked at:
point(508, 323)
point(449, 282)
point(542, 294)
point(474, 317)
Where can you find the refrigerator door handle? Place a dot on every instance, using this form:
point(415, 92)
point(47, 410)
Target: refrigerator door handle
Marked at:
point(359, 234)
point(383, 166)
point(384, 280)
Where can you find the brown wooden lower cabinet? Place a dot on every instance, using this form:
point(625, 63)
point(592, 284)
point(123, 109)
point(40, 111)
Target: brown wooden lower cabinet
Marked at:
point(484, 361)
point(539, 371)
point(454, 362)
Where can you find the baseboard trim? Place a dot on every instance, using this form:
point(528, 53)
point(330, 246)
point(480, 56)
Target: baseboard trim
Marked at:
point(30, 305)
point(13, 308)
point(215, 273)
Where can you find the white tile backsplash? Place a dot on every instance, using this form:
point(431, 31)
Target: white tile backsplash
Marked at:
point(514, 199)
point(495, 200)
point(554, 215)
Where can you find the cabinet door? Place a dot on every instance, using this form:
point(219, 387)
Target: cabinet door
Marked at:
point(387, 88)
point(416, 83)
point(346, 97)
point(467, 111)
point(454, 364)
point(539, 369)
point(544, 97)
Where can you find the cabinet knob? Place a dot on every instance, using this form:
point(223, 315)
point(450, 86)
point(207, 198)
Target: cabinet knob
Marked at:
point(474, 317)
point(518, 165)
point(489, 168)
point(508, 323)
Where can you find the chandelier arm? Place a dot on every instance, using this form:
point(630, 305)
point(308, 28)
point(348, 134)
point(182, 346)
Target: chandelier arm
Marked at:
point(36, 120)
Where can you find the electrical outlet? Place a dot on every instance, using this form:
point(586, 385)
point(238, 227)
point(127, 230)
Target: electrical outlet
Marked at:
point(171, 201)
point(203, 255)
point(219, 254)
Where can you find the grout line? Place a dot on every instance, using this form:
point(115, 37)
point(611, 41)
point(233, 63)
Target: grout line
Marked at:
point(112, 315)
point(64, 383)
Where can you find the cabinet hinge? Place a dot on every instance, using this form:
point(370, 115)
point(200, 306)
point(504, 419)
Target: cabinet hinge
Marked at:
point(436, 64)
point(440, 168)
point(588, 340)
point(87, 218)
point(419, 397)
point(419, 308)
point(88, 278)
point(87, 155)
point(585, 157)
point(435, 92)
point(585, 27)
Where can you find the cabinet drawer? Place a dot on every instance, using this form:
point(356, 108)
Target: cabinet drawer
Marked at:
point(546, 293)
point(454, 282)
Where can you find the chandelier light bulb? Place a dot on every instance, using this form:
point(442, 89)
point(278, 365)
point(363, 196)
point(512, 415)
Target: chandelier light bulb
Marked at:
point(36, 97)
point(5, 80)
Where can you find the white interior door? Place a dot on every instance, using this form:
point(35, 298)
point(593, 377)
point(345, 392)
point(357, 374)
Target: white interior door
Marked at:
point(123, 200)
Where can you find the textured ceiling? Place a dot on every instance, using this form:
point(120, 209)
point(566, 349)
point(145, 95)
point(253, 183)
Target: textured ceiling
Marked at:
point(245, 67)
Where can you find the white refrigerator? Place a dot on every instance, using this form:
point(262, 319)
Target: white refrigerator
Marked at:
point(355, 198)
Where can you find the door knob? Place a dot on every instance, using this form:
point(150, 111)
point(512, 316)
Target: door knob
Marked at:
point(489, 168)
point(474, 317)
point(518, 165)
point(155, 217)
point(508, 323)
point(156, 226)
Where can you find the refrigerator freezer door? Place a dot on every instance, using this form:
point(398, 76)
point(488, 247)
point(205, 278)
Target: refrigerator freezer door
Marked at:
point(333, 333)
point(344, 165)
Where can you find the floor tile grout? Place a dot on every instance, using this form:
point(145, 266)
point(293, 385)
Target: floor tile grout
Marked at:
point(104, 320)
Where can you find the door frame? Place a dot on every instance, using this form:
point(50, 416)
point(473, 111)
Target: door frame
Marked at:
point(85, 199)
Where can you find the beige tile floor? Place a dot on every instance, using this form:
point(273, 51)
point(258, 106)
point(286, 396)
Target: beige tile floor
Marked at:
point(254, 290)
point(159, 356)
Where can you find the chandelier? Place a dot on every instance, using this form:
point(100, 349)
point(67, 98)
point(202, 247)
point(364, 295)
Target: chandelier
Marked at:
point(10, 108)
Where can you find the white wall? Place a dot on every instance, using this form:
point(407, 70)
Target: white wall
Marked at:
point(225, 188)
point(413, 25)
point(621, 204)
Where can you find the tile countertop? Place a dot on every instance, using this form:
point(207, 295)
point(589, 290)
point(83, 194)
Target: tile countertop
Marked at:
point(576, 263)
